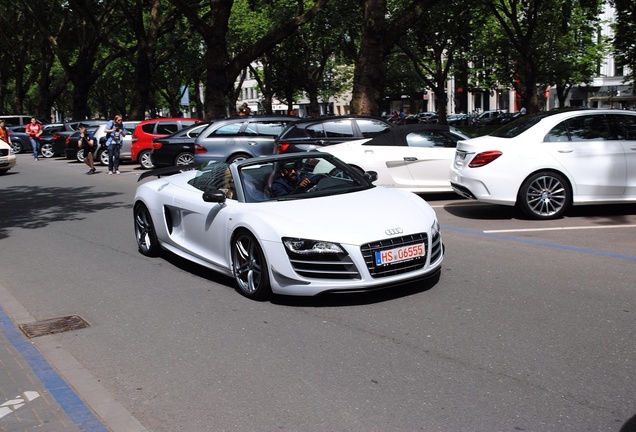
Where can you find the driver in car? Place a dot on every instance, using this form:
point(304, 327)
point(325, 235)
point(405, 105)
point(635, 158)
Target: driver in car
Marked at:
point(289, 182)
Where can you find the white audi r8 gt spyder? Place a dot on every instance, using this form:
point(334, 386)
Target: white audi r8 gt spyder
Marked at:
point(410, 157)
point(293, 224)
point(547, 162)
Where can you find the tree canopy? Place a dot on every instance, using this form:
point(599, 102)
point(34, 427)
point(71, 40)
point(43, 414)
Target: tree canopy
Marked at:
point(83, 58)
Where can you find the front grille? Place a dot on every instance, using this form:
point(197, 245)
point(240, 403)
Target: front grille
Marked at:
point(436, 247)
point(369, 249)
point(324, 266)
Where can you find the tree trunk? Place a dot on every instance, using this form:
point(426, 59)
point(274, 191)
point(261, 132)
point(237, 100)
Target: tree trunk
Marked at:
point(369, 74)
point(141, 94)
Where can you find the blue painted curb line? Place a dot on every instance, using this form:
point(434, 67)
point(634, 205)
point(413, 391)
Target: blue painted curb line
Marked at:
point(72, 405)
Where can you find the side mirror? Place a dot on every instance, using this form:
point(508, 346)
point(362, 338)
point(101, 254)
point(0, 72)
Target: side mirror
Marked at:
point(213, 196)
point(371, 175)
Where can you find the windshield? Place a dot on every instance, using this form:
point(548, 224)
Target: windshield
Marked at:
point(268, 179)
point(299, 177)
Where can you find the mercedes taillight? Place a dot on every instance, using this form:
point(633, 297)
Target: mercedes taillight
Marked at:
point(484, 158)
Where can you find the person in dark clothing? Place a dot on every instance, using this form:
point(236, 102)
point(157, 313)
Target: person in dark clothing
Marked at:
point(289, 182)
point(87, 143)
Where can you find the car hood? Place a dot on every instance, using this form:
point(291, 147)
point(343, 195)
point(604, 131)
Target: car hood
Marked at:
point(353, 218)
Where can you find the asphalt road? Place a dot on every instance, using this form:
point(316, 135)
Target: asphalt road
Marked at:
point(531, 327)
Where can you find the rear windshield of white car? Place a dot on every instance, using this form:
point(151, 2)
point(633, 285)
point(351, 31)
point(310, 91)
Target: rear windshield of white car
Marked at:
point(518, 126)
point(524, 123)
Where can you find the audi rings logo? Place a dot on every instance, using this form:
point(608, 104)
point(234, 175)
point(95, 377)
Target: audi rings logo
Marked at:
point(393, 231)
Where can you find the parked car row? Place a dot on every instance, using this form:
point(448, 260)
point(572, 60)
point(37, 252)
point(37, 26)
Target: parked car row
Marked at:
point(232, 139)
point(542, 163)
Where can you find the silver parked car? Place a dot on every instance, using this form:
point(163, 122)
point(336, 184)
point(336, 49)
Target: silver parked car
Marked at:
point(239, 138)
point(101, 156)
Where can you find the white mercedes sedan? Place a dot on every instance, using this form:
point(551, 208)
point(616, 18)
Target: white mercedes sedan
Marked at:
point(547, 162)
point(298, 224)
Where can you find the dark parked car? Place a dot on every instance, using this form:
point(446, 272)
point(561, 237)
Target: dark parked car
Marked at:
point(176, 149)
point(21, 143)
point(491, 117)
point(19, 139)
point(237, 138)
point(314, 133)
point(59, 138)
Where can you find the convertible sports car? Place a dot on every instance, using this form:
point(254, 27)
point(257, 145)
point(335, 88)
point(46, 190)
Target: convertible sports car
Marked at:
point(339, 233)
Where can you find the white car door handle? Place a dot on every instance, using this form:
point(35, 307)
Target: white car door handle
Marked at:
point(252, 143)
point(566, 150)
point(368, 152)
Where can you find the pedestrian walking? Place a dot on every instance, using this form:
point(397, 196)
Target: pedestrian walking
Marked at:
point(115, 133)
point(87, 143)
point(4, 132)
point(34, 130)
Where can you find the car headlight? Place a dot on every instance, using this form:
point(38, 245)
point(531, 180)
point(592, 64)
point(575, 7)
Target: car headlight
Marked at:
point(305, 246)
point(435, 229)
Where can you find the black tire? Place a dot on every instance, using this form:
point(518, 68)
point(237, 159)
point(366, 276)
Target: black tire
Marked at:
point(17, 147)
point(144, 160)
point(185, 158)
point(238, 157)
point(102, 157)
point(145, 233)
point(250, 267)
point(47, 150)
point(545, 195)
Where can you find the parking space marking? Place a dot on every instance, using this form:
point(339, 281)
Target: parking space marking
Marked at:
point(559, 228)
point(539, 242)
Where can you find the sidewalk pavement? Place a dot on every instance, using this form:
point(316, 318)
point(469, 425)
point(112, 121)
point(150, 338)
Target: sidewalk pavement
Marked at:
point(41, 384)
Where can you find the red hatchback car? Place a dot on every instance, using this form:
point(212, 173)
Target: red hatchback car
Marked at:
point(149, 129)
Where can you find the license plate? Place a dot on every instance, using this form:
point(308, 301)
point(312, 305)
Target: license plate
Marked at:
point(399, 254)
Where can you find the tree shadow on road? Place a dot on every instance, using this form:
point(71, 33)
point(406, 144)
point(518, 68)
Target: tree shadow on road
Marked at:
point(37, 207)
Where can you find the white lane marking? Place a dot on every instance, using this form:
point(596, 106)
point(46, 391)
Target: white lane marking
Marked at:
point(12, 405)
point(558, 228)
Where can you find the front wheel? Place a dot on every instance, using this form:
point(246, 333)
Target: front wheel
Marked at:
point(144, 160)
point(250, 267)
point(544, 195)
point(79, 155)
point(147, 242)
point(47, 150)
